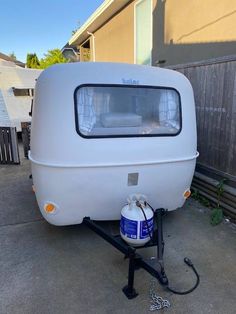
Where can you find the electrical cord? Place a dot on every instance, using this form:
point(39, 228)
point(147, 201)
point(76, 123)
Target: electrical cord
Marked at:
point(186, 259)
point(190, 264)
point(151, 207)
point(165, 211)
point(145, 218)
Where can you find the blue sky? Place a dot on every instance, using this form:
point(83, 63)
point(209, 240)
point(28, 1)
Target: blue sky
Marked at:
point(37, 26)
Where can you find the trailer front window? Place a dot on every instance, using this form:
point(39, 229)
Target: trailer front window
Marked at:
point(119, 111)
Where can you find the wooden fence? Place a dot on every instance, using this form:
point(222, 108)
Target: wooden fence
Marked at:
point(9, 152)
point(26, 127)
point(214, 85)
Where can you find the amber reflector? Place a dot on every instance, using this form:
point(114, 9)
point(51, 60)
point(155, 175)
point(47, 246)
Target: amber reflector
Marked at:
point(187, 194)
point(49, 208)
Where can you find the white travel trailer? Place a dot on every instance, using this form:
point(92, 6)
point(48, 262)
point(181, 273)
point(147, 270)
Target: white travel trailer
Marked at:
point(16, 94)
point(102, 131)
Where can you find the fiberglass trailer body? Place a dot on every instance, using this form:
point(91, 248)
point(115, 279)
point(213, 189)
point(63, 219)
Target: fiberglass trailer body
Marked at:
point(102, 131)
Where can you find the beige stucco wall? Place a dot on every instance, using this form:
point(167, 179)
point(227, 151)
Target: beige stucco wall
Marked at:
point(115, 40)
point(186, 31)
point(183, 31)
point(200, 21)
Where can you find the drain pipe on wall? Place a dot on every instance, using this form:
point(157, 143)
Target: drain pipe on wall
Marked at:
point(93, 45)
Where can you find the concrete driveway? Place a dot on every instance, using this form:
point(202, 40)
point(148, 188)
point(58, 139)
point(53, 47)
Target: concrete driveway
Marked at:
point(48, 269)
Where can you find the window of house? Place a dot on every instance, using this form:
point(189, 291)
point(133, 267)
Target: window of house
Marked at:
point(23, 91)
point(85, 51)
point(117, 110)
point(143, 32)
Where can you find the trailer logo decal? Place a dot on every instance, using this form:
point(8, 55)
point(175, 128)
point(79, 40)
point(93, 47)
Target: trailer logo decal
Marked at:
point(130, 81)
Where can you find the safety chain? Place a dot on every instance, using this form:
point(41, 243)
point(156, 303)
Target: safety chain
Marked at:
point(157, 302)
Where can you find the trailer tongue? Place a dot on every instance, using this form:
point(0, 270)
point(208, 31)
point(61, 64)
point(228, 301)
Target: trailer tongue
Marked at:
point(136, 261)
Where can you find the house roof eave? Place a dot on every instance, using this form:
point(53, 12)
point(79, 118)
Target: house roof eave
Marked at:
point(103, 13)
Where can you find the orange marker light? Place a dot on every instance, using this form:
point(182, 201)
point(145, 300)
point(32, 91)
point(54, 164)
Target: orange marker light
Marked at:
point(187, 193)
point(49, 208)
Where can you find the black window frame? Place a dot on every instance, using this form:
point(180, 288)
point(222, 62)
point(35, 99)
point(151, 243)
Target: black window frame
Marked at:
point(124, 135)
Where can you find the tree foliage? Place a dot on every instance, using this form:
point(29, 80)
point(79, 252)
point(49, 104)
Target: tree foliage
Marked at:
point(77, 28)
point(12, 55)
point(32, 61)
point(52, 57)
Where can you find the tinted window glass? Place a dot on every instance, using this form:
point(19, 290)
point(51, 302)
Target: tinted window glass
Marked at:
point(127, 110)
